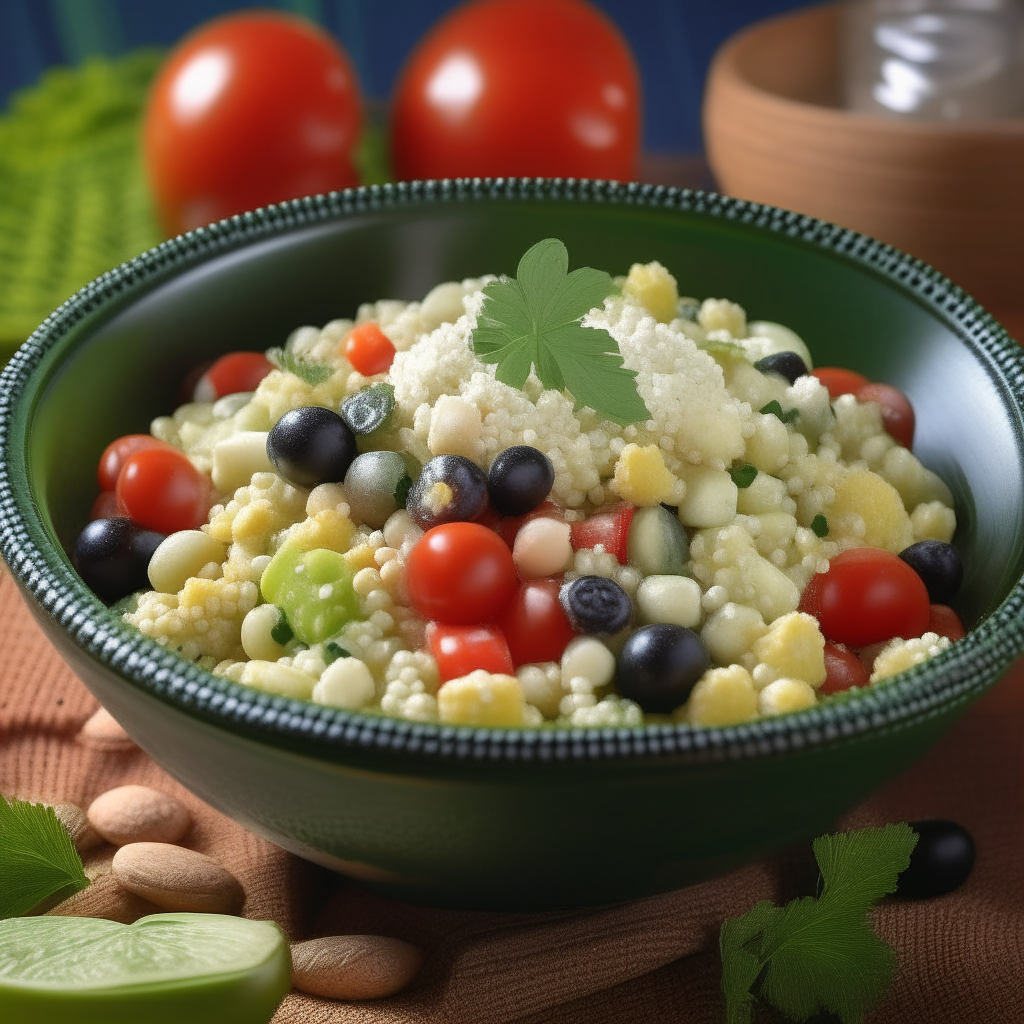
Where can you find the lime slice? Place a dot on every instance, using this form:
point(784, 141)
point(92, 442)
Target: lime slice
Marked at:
point(164, 969)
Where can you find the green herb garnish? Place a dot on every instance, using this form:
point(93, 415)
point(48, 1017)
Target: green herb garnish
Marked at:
point(281, 632)
point(333, 651)
point(819, 524)
point(820, 953)
point(534, 321)
point(311, 373)
point(787, 415)
point(402, 490)
point(743, 476)
point(369, 408)
point(38, 860)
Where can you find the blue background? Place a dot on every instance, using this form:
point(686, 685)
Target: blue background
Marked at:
point(672, 39)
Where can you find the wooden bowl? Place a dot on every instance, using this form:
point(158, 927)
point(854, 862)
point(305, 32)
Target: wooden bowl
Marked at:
point(949, 193)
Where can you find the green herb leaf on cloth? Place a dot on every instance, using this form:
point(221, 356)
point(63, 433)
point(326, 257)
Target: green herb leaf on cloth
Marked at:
point(38, 860)
point(820, 953)
point(534, 322)
point(311, 373)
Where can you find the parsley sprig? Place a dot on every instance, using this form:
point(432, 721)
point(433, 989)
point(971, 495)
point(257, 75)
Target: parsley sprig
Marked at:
point(820, 953)
point(534, 321)
point(311, 373)
point(38, 860)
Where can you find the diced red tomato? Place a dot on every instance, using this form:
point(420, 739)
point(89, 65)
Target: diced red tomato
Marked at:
point(867, 595)
point(105, 506)
point(511, 525)
point(161, 490)
point(839, 381)
point(944, 621)
point(897, 412)
point(535, 625)
point(609, 528)
point(460, 573)
point(369, 349)
point(115, 454)
point(459, 650)
point(843, 669)
point(235, 372)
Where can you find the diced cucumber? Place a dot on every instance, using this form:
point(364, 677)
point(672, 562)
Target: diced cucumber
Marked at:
point(657, 544)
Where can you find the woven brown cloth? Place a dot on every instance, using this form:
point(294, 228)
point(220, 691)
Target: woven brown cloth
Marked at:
point(960, 956)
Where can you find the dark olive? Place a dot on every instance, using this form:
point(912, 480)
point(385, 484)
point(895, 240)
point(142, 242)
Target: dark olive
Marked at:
point(311, 446)
point(785, 364)
point(939, 565)
point(519, 479)
point(449, 489)
point(593, 604)
point(112, 556)
point(659, 665)
point(941, 861)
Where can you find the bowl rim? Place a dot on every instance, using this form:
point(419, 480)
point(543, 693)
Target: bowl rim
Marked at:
point(946, 681)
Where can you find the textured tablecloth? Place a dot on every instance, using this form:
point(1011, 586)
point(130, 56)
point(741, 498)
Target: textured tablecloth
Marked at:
point(960, 956)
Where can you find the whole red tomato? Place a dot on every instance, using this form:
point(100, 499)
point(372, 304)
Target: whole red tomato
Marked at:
point(250, 109)
point(519, 87)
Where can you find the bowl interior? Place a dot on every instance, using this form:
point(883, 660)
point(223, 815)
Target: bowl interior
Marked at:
point(122, 365)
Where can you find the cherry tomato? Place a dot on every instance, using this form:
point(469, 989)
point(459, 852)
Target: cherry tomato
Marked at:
point(519, 87)
point(897, 412)
point(944, 621)
point(252, 108)
point(237, 371)
point(105, 507)
point(868, 595)
point(115, 454)
point(535, 625)
point(161, 490)
point(459, 650)
point(460, 574)
point(369, 349)
point(609, 528)
point(839, 381)
point(843, 669)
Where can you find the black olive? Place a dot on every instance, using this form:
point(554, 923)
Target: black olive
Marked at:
point(941, 861)
point(659, 665)
point(785, 364)
point(112, 556)
point(593, 604)
point(520, 478)
point(311, 446)
point(939, 565)
point(449, 489)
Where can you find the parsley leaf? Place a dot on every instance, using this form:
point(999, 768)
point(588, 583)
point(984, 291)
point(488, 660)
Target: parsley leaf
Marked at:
point(38, 860)
point(534, 321)
point(311, 373)
point(820, 953)
point(775, 409)
point(743, 475)
point(819, 524)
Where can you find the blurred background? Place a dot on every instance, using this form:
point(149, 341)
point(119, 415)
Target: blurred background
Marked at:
point(673, 41)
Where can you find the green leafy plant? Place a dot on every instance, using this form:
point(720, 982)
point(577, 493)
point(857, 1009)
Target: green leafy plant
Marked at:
point(819, 524)
point(533, 321)
point(819, 953)
point(786, 415)
point(743, 476)
point(311, 373)
point(38, 860)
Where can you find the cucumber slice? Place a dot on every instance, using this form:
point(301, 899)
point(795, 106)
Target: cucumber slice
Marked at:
point(657, 543)
point(164, 969)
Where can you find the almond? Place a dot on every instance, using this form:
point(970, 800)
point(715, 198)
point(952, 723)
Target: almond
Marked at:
point(177, 879)
point(74, 819)
point(354, 966)
point(138, 814)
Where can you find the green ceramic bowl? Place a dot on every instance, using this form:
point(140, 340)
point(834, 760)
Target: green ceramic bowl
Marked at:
point(510, 818)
